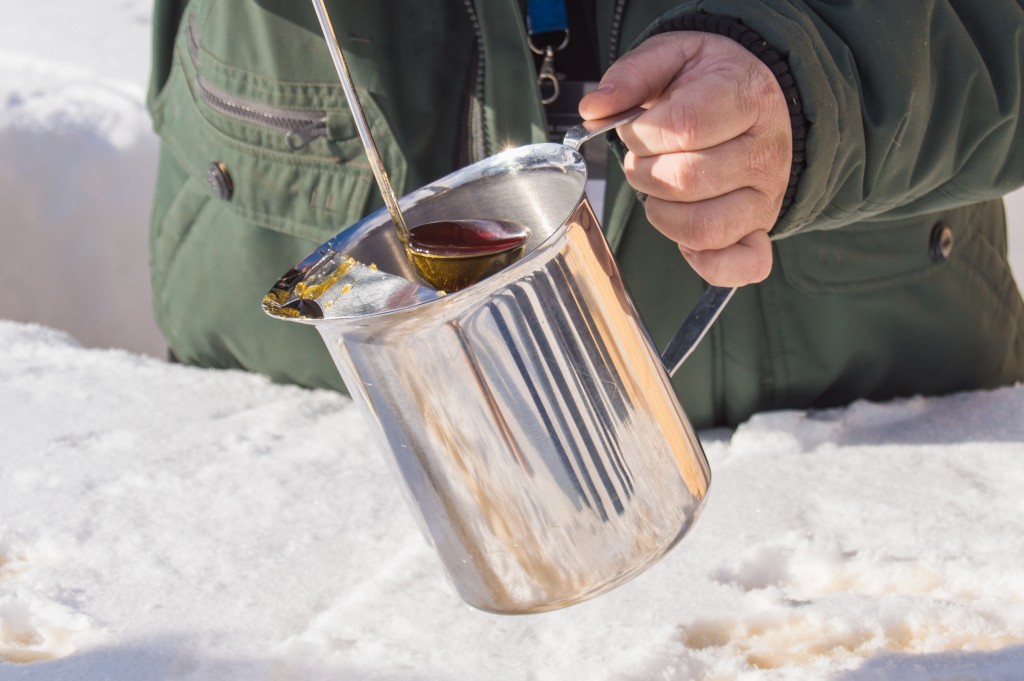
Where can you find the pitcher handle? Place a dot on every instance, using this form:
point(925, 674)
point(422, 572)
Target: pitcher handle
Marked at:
point(695, 327)
point(711, 303)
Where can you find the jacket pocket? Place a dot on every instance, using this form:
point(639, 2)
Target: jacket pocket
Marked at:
point(284, 153)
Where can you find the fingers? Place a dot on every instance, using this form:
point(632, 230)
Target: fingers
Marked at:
point(714, 207)
point(712, 151)
point(748, 261)
point(700, 90)
point(693, 115)
point(712, 224)
point(744, 161)
point(640, 76)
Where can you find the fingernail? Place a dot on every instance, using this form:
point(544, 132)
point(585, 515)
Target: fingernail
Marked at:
point(605, 89)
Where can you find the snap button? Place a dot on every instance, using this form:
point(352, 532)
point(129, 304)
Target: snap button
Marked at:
point(941, 243)
point(220, 180)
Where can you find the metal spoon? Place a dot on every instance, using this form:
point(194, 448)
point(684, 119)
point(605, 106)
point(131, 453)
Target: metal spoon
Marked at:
point(449, 254)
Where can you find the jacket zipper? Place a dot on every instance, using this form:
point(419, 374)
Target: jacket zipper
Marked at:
point(299, 127)
point(615, 36)
point(474, 144)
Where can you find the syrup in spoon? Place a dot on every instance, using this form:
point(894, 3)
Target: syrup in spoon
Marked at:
point(453, 254)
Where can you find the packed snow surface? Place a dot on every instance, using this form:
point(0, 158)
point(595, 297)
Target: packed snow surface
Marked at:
point(164, 522)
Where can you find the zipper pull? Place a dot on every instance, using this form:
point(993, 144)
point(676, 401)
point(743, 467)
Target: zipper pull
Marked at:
point(300, 137)
point(547, 75)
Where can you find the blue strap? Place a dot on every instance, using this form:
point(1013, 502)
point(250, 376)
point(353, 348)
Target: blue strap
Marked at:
point(546, 16)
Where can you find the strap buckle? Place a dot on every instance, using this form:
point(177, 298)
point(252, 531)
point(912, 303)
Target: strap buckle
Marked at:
point(547, 75)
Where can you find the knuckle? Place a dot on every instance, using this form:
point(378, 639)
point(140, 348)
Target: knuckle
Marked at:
point(706, 232)
point(762, 156)
point(768, 159)
point(747, 101)
point(765, 210)
point(684, 117)
point(757, 92)
point(625, 69)
point(681, 175)
point(757, 81)
point(660, 178)
point(758, 208)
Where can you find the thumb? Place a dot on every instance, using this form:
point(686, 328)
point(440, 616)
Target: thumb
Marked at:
point(641, 75)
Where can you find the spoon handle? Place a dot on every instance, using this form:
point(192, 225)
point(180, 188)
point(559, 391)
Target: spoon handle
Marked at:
point(588, 130)
point(361, 125)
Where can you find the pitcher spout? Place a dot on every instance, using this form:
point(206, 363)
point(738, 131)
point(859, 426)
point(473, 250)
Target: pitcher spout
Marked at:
point(331, 285)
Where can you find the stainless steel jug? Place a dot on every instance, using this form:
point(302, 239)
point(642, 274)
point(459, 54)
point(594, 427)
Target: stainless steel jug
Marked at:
point(528, 416)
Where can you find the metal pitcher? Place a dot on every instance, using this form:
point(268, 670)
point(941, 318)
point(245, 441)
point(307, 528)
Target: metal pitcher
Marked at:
point(529, 417)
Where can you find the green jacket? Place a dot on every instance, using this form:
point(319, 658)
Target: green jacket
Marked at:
point(890, 275)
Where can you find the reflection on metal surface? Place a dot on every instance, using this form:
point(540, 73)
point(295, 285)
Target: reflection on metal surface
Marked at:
point(529, 418)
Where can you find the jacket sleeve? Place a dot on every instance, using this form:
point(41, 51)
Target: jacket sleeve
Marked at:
point(910, 107)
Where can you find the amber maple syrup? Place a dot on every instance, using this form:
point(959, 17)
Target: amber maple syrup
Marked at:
point(466, 238)
point(453, 254)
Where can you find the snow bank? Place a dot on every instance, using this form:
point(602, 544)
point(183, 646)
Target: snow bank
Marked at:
point(77, 170)
point(159, 521)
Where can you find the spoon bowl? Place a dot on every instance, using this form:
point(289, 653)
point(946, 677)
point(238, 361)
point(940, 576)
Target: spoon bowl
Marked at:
point(453, 254)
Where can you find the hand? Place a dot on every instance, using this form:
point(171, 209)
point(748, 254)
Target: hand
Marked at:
point(712, 152)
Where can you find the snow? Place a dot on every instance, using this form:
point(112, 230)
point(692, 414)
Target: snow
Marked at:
point(166, 522)
point(77, 169)
point(161, 521)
